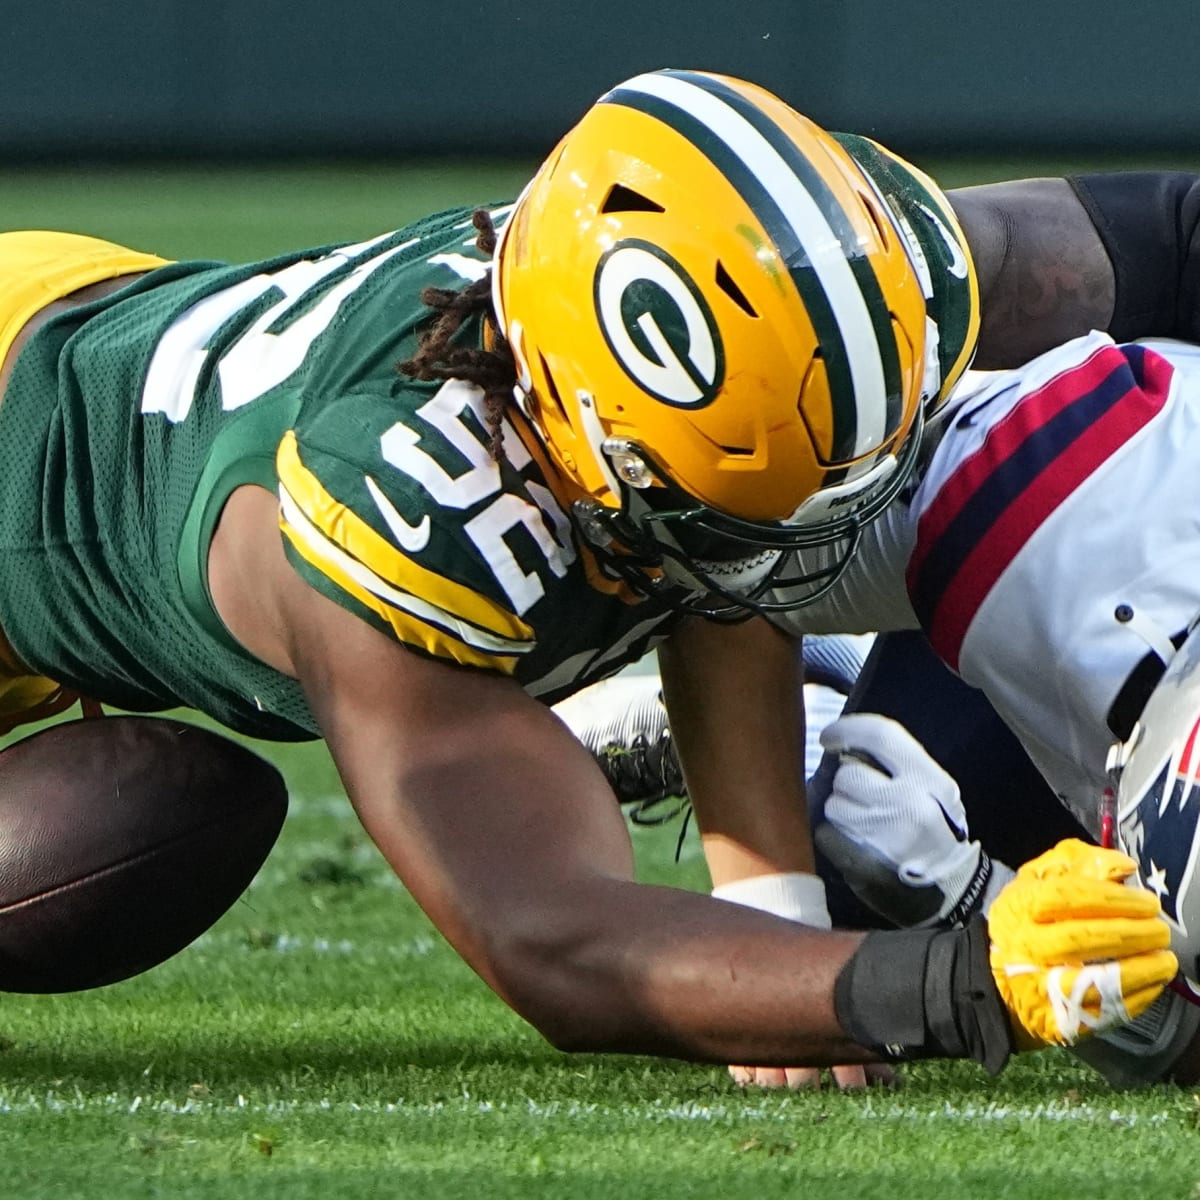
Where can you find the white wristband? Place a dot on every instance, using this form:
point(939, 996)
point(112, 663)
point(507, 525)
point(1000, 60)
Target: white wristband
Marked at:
point(794, 895)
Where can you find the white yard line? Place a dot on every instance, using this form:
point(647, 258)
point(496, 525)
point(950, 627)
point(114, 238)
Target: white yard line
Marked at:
point(420, 945)
point(14, 1103)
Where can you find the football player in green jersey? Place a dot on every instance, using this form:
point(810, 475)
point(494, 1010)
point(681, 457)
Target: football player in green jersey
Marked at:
point(706, 334)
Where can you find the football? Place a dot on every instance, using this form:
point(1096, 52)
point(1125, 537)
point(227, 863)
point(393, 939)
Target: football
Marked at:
point(122, 839)
point(1158, 800)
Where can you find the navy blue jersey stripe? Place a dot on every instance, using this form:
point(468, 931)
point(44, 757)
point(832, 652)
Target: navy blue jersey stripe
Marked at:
point(1004, 485)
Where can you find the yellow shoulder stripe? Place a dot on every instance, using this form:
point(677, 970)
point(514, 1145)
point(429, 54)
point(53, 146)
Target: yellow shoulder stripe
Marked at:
point(407, 628)
point(406, 594)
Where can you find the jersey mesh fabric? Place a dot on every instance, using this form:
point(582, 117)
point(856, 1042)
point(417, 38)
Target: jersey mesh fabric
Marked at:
point(127, 423)
point(91, 500)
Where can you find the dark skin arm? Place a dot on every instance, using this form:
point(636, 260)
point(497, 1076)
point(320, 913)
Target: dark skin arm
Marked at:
point(1044, 274)
point(506, 833)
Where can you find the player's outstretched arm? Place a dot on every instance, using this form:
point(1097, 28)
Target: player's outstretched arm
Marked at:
point(505, 831)
point(1056, 258)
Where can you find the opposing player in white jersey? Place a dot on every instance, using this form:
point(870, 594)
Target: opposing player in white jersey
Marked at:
point(1046, 551)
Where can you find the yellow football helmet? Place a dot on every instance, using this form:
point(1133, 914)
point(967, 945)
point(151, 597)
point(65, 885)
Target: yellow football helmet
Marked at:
point(719, 333)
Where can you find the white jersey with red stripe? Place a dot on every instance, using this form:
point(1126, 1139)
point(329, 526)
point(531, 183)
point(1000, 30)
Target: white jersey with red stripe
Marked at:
point(1047, 547)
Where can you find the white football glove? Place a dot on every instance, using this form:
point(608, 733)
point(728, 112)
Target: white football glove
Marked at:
point(896, 829)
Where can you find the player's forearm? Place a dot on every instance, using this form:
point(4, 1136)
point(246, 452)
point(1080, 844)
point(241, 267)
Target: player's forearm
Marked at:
point(629, 968)
point(734, 698)
point(671, 973)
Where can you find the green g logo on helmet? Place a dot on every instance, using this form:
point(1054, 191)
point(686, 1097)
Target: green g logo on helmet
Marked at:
point(658, 325)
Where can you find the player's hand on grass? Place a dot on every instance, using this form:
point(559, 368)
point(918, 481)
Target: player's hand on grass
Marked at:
point(1073, 950)
point(896, 830)
point(847, 1079)
point(798, 897)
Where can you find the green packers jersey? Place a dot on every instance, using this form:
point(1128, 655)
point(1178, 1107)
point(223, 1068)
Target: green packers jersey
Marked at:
point(127, 424)
point(939, 254)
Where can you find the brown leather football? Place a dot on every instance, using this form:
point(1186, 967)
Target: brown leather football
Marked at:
point(122, 839)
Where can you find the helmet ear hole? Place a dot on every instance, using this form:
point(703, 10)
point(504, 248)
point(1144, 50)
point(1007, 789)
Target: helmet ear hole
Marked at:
point(552, 387)
point(624, 199)
point(726, 284)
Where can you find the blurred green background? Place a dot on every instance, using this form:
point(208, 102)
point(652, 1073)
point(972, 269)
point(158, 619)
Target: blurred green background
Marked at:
point(322, 1040)
point(244, 211)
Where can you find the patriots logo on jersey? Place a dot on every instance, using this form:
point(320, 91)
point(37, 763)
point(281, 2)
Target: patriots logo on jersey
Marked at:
point(1160, 832)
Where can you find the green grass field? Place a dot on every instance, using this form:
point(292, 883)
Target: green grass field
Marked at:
point(322, 1041)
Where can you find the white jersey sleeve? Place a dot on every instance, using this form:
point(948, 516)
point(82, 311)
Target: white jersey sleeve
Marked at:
point(870, 596)
point(1051, 547)
point(1056, 528)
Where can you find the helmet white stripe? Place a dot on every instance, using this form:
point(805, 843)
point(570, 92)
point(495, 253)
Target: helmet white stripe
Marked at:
point(812, 230)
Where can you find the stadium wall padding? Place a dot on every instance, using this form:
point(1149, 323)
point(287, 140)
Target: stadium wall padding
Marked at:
point(281, 78)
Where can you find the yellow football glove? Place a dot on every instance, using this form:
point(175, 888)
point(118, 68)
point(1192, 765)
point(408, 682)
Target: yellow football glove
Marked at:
point(1073, 950)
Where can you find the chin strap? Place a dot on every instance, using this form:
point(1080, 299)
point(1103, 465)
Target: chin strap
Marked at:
point(641, 562)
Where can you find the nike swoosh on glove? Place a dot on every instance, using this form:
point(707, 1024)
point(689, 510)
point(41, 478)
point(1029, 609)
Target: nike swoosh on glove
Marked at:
point(896, 829)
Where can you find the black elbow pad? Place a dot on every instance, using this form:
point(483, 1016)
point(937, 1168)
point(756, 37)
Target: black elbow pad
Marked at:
point(1149, 222)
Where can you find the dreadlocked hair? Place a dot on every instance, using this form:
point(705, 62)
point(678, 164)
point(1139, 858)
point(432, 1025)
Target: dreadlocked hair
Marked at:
point(436, 357)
